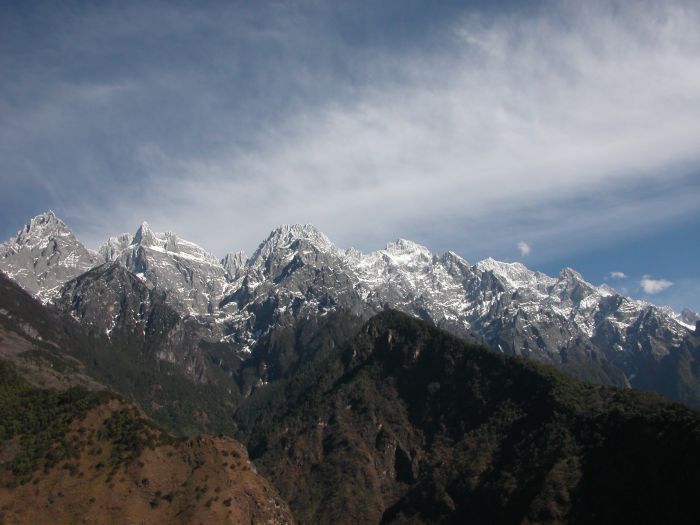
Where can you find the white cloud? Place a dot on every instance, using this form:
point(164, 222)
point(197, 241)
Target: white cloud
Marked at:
point(617, 275)
point(524, 248)
point(519, 127)
point(504, 123)
point(654, 286)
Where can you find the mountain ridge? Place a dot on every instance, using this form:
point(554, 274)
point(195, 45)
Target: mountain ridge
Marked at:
point(297, 273)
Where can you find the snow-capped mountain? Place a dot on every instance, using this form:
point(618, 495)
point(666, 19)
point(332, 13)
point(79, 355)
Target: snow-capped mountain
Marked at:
point(298, 273)
point(191, 279)
point(562, 320)
point(44, 255)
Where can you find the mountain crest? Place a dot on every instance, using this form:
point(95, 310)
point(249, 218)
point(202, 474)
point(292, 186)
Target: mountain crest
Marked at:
point(405, 247)
point(513, 274)
point(284, 237)
point(44, 255)
point(41, 229)
point(570, 274)
point(115, 246)
point(144, 235)
point(307, 232)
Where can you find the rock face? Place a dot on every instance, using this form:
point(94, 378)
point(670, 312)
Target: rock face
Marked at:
point(44, 256)
point(297, 273)
point(689, 317)
point(234, 264)
point(111, 301)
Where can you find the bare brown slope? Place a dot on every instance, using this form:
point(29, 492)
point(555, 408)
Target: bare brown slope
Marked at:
point(119, 469)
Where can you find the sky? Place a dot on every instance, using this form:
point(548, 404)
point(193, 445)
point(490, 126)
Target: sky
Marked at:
point(551, 133)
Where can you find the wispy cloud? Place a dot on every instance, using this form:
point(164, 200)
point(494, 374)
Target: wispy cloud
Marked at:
point(617, 275)
point(654, 286)
point(524, 248)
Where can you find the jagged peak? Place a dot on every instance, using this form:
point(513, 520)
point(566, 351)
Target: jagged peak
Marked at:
point(40, 229)
point(689, 317)
point(492, 265)
point(514, 274)
point(299, 231)
point(403, 246)
point(114, 246)
point(144, 235)
point(47, 217)
point(571, 274)
point(122, 237)
point(569, 277)
point(353, 253)
point(47, 221)
point(450, 256)
point(285, 235)
point(607, 289)
point(170, 243)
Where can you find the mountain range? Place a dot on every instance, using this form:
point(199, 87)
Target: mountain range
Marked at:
point(297, 273)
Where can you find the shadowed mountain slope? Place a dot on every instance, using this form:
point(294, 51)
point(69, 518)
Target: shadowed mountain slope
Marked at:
point(408, 424)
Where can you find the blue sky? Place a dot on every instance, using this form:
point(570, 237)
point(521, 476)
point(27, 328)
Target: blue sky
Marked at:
point(554, 133)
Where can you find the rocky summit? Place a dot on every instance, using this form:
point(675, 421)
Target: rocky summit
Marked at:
point(45, 255)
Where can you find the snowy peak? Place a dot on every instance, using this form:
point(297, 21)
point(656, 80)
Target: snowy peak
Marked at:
point(41, 229)
point(144, 236)
point(569, 274)
point(287, 234)
point(191, 279)
point(450, 257)
point(402, 255)
point(572, 286)
point(44, 255)
point(689, 319)
point(514, 275)
point(293, 237)
point(115, 246)
point(168, 243)
point(499, 267)
point(403, 251)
